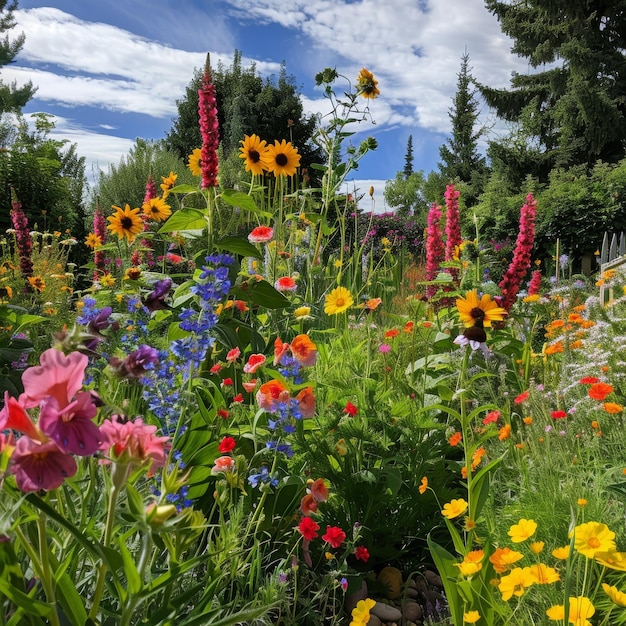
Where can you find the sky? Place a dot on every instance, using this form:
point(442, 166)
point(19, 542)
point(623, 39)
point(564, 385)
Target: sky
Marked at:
point(111, 71)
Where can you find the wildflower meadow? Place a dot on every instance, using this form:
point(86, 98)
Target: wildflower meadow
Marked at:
point(271, 405)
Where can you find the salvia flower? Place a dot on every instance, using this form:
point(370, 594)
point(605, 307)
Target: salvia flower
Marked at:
point(435, 251)
point(209, 128)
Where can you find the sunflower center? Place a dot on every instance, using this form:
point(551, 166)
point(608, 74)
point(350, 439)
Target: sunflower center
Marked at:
point(477, 313)
point(126, 223)
point(254, 156)
point(593, 542)
point(282, 160)
point(340, 301)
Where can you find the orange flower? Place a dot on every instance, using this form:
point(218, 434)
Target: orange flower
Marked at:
point(503, 558)
point(373, 303)
point(424, 485)
point(408, 327)
point(477, 457)
point(555, 348)
point(455, 439)
point(304, 350)
point(319, 490)
point(306, 398)
point(504, 432)
point(271, 392)
point(390, 334)
point(612, 407)
point(599, 391)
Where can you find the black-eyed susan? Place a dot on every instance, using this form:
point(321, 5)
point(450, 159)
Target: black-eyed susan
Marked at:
point(282, 158)
point(93, 241)
point(479, 312)
point(156, 209)
point(168, 182)
point(125, 223)
point(338, 301)
point(194, 162)
point(37, 283)
point(255, 152)
point(367, 85)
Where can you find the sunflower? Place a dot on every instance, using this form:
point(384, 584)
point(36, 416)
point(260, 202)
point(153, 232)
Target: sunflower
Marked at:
point(255, 151)
point(168, 183)
point(367, 84)
point(338, 301)
point(282, 158)
point(194, 162)
point(475, 312)
point(125, 223)
point(93, 241)
point(156, 209)
point(37, 283)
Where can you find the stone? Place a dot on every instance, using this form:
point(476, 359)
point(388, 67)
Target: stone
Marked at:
point(353, 598)
point(411, 610)
point(391, 578)
point(374, 621)
point(386, 613)
point(411, 592)
point(433, 579)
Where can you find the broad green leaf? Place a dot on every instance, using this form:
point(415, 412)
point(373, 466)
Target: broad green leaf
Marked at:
point(241, 200)
point(239, 246)
point(184, 219)
point(184, 189)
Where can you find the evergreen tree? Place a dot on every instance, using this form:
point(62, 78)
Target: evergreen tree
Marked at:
point(460, 158)
point(575, 107)
point(408, 159)
point(12, 98)
point(247, 104)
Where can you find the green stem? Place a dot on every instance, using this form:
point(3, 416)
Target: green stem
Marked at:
point(45, 573)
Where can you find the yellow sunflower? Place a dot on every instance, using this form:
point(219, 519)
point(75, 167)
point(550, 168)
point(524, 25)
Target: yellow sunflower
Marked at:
point(194, 162)
point(338, 301)
point(93, 241)
point(255, 151)
point(473, 311)
point(168, 183)
point(366, 84)
point(282, 158)
point(156, 209)
point(125, 223)
point(37, 283)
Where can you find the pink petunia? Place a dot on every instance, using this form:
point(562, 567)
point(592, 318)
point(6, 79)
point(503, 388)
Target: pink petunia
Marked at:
point(39, 465)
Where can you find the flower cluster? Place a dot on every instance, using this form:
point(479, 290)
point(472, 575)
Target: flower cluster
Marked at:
point(209, 129)
point(435, 251)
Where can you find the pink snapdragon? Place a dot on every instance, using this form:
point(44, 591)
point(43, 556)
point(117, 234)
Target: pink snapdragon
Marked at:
point(519, 266)
point(453, 228)
point(209, 128)
point(435, 252)
point(535, 283)
point(23, 240)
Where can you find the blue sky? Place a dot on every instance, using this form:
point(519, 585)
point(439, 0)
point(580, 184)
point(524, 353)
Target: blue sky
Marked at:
point(111, 71)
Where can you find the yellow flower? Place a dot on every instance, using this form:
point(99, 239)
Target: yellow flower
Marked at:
point(367, 85)
point(156, 209)
point(194, 162)
point(107, 280)
point(593, 537)
point(535, 297)
point(516, 583)
point(282, 159)
point(454, 508)
point(423, 486)
point(338, 301)
point(556, 613)
point(302, 313)
point(561, 553)
point(471, 617)
point(93, 241)
point(168, 183)
point(255, 151)
point(580, 609)
point(521, 531)
point(612, 560)
point(545, 575)
point(472, 563)
point(125, 223)
point(37, 283)
point(341, 447)
point(503, 558)
point(536, 547)
point(329, 556)
point(581, 502)
point(619, 597)
point(612, 407)
point(361, 613)
point(472, 310)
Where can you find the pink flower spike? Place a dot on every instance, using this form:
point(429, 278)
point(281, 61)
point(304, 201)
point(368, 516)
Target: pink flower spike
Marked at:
point(14, 417)
point(58, 376)
point(40, 465)
point(72, 427)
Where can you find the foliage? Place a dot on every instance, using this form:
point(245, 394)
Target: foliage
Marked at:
point(405, 195)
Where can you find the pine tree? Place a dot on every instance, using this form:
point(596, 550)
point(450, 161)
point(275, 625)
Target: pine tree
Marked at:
point(12, 98)
point(408, 159)
point(575, 107)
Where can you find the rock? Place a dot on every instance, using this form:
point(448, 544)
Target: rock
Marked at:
point(353, 598)
point(391, 578)
point(374, 621)
point(386, 613)
point(411, 592)
point(433, 579)
point(411, 610)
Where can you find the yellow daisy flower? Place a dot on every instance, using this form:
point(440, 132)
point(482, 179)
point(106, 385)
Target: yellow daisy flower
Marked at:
point(93, 241)
point(618, 597)
point(338, 301)
point(367, 85)
point(156, 209)
point(125, 223)
point(593, 537)
point(256, 154)
point(194, 162)
point(472, 310)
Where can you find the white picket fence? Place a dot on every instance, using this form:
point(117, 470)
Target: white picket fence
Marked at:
point(612, 256)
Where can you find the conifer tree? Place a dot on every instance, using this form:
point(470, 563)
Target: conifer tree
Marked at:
point(408, 159)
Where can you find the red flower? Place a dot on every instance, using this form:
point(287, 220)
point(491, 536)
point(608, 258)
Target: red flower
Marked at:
point(319, 490)
point(557, 415)
point(308, 504)
point(588, 380)
point(334, 536)
point(209, 128)
point(491, 417)
point(215, 368)
point(227, 382)
point(599, 391)
point(392, 333)
point(233, 355)
point(261, 234)
point(285, 283)
point(238, 398)
point(522, 397)
point(227, 445)
point(254, 362)
point(223, 413)
point(361, 553)
point(350, 409)
point(308, 528)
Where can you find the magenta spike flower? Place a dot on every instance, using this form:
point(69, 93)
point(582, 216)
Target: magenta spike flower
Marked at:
point(535, 283)
point(519, 266)
point(151, 190)
point(209, 128)
point(434, 247)
point(453, 228)
point(22, 236)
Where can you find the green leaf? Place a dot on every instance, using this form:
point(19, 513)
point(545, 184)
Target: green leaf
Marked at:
point(184, 219)
point(130, 569)
point(184, 189)
point(263, 294)
point(31, 606)
point(444, 562)
point(243, 201)
point(240, 246)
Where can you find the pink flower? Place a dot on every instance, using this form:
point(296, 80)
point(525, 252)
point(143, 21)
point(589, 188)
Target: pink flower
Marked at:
point(535, 283)
point(384, 348)
point(39, 465)
point(227, 445)
point(319, 490)
point(334, 536)
point(285, 283)
point(22, 236)
point(233, 354)
point(261, 234)
point(512, 279)
point(209, 129)
point(307, 404)
point(223, 464)
point(491, 417)
point(134, 442)
point(435, 252)
point(250, 385)
point(254, 362)
point(453, 227)
point(215, 368)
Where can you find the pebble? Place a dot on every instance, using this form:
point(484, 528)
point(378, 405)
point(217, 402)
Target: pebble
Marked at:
point(374, 621)
point(411, 610)
point(385, 612)
point(433, 579)
point(411, 592)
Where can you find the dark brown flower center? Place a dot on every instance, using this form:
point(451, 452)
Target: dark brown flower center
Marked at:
point(254, 156)
point(476, 333)
point(477, 313)
point(281, 160)
point(126, 223)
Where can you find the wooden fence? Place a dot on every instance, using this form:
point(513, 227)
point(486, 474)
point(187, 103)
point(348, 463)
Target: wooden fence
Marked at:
point(612, 256)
